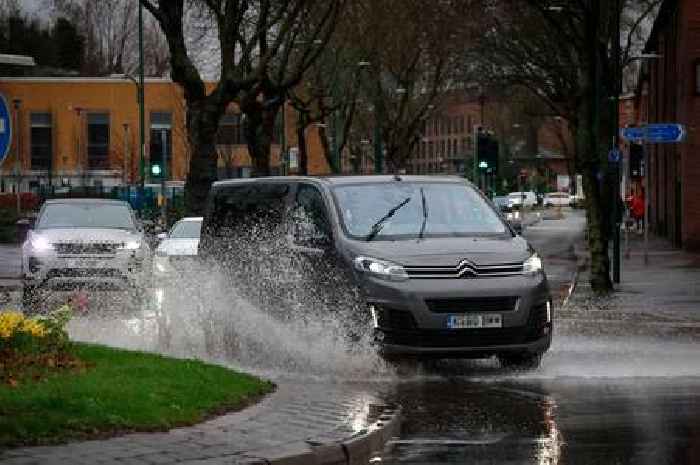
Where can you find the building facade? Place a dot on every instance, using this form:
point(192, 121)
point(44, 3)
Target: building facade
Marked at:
point(85, 132)
point(669, 92)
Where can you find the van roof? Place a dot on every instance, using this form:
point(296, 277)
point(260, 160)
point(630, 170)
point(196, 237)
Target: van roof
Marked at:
point(346, 180)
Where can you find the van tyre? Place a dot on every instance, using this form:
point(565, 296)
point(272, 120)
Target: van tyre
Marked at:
point(520, 361)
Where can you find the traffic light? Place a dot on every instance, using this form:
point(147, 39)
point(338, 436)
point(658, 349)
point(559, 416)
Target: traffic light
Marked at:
point(156, 170)
point(487, 150)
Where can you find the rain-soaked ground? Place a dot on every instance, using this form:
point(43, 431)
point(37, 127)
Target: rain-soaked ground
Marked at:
point(608, 398)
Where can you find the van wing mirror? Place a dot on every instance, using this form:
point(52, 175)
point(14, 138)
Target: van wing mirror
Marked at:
point(517, 226)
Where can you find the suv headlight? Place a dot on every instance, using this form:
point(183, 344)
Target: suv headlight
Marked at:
point(380, 268)
point(533, 265)
point(40, 244)
point(131, 245)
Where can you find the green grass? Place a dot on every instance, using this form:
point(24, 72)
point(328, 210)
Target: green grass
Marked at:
point(121, 391)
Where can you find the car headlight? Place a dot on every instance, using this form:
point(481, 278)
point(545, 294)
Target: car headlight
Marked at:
point(533, 265)
point(40, 244)
point(380, 268)
point(131, 245)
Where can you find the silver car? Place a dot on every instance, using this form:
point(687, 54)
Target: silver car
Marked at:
point(177, 248)
point(84, 242)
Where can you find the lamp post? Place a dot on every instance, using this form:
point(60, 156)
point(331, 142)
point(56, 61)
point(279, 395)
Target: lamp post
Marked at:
point(18, 155)
point(142, 119)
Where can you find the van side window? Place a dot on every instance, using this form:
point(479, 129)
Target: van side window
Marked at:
point(311, 225)
point(254, 210)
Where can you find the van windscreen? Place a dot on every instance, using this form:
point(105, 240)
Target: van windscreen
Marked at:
point(402, 210)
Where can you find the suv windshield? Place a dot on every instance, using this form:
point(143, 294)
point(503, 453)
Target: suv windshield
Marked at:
point(186, 230)
point(453, 210)
point(86, 215)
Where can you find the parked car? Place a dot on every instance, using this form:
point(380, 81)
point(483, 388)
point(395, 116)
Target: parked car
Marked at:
point(557, 199)
point(177, 248)
point(84, 242)
point(522, 199)
point(439, 271)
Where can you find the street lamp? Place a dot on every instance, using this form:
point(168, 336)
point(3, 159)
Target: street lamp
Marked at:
point(16, 103)
point(142, 123)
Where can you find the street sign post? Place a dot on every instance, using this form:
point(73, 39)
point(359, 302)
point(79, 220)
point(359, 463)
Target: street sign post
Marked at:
point(5, 129)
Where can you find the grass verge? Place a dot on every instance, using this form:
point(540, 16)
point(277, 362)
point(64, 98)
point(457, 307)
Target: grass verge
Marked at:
point(121, 391)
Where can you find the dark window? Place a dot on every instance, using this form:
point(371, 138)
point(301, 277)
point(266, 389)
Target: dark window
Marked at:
point(310, 218)
point(41, 141)
point(98, 141)
point(161, 147)
point(469, 123)
point(251, 211)
point(230, 130)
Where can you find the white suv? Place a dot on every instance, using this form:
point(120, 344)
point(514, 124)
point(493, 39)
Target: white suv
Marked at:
point(84, 242)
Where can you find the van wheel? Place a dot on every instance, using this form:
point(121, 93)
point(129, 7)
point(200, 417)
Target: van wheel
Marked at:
point(520, 361)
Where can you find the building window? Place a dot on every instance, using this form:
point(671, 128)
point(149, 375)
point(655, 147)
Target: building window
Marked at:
point(469, 123)
point(230, 130)
point(697, 76)
point(41, 141)
point(430, 148)
point(98, 141)
point(161, 146)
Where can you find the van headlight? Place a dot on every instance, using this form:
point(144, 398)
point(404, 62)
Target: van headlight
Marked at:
point(380, 268)
point(533, 265)
point(40, 244)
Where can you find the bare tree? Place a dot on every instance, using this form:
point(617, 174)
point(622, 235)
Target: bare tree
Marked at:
point(566, 56)
point(253, 39)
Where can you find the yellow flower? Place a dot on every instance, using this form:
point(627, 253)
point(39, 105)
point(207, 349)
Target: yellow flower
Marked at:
point(9, 321)
point(33, 327)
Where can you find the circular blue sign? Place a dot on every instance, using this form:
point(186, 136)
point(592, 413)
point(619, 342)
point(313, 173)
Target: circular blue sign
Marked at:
point(5, 129)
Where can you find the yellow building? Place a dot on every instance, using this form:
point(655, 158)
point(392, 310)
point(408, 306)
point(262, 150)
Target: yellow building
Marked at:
point(85, 132)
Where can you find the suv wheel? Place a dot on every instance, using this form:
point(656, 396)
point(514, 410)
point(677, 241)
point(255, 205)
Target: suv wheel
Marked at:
point(520, 361)
point(29, 299)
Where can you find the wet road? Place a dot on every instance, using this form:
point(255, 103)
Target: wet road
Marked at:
point(595, 400)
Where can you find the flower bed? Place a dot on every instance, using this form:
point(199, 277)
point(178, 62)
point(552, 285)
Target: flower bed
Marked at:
point(33, 348)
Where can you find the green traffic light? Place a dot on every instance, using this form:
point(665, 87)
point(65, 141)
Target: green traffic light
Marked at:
point(155, 170)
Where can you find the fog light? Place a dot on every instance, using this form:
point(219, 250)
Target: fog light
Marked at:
point(549, 312)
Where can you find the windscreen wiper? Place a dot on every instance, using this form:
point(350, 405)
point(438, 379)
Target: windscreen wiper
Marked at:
point(377, 227)
point(425, 214)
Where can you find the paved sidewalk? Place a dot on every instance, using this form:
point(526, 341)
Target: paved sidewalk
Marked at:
point(304, 424)
point(663, 294)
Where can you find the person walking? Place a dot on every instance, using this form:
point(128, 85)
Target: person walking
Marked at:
point(637, 209)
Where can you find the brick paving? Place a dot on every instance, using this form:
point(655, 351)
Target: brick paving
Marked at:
point(295, 415)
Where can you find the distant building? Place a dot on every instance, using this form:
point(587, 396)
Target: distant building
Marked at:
point(81, 131)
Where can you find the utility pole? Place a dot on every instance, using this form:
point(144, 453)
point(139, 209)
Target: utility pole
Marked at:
point(617, 74)
point(142, 118)
point(18, 156)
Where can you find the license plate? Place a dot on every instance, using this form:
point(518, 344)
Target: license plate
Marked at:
point(492, 320)
point(84, 263)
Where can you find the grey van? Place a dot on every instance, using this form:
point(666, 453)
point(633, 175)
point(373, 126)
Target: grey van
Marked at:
point(441, 274)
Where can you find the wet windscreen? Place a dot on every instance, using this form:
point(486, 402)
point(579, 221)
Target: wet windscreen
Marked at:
point(86, 215)
point(186, 230)
point(436, 209)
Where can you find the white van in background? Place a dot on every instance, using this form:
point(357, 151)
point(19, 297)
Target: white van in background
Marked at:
point(522, 199)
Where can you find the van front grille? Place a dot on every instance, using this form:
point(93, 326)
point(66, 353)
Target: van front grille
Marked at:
point(465, 270)
point(472, 304)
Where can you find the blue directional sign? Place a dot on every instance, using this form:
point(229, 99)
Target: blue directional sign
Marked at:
point(663, 133)
point(632, 134)
point(5, 129)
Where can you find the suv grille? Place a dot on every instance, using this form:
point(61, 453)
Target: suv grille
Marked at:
point(472, 304)
point(464, 269)
point(86, 248)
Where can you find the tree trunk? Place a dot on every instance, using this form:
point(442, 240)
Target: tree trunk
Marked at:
point(327, 150)
point(202, 124)
point(259, 131)
point(587, 154)
point(301, 141)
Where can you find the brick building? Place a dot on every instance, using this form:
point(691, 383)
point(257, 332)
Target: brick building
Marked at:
point(669, 92)
point(85, 132)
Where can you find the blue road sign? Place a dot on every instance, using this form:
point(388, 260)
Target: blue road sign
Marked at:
point(5, 129)
point(614, 155)
point(663, 133)
point(632, 134)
